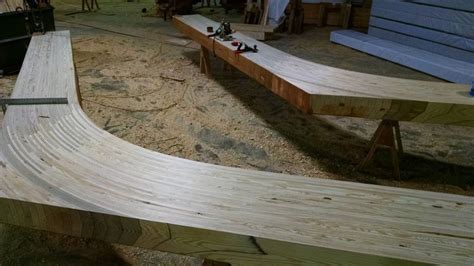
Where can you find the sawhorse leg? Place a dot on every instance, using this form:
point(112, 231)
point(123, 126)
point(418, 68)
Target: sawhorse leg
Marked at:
point(86, 2)
point(205, 62)
point(208, 262)
point(387, 135)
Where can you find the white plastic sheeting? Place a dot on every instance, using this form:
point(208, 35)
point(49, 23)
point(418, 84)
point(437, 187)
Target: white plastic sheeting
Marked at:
point(276, 8)
point(276, 11)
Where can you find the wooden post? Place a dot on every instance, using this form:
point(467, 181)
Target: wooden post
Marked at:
point(322, 15)
point(252, 14)
point(346, 10)
point(300, 19)
point(295, 20)
point(205, 62)
point(387, 135)
point(264, 18)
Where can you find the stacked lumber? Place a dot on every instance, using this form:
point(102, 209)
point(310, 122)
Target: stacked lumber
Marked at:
point(10, 5)
point(443, 31)
point(463, 5)
point(432, 36)
point(59, 172)
point(319, 89)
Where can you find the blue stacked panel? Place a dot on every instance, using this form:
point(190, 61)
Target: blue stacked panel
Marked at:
point(431, 63)
point(422, 43)
point(426, 22)
point(464, 5)
point(440, 37)
point(443, 14)
point(433, 36)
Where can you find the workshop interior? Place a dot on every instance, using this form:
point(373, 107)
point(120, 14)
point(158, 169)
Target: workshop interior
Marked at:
point(236, 132)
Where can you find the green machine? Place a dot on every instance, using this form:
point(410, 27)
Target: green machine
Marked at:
point(17, 29)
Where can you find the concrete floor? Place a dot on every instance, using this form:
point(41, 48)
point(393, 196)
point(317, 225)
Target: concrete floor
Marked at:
point(140, 81)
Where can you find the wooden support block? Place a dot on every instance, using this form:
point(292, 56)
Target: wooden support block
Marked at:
point(205, 62)
point(388, 136)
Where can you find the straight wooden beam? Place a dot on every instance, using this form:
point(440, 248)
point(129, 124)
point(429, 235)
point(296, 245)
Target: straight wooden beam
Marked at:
point(324, 90)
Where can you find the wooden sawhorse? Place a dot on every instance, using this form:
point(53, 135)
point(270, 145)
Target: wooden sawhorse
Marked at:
point(90, 6)
point(388, 136)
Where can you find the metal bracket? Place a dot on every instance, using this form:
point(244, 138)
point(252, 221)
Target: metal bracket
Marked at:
point(31, 101)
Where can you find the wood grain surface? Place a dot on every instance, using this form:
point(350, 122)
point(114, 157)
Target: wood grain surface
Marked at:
point(324, 90)
point(10, 5)
point(59, 172)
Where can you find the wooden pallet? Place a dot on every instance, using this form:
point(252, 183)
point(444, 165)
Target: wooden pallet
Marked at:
point(59, 172)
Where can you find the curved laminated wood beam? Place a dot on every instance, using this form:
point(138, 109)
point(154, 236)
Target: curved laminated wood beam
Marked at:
point(324, 90)
point(59, 172)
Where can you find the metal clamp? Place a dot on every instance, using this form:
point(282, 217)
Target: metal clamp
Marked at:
point(31, 101)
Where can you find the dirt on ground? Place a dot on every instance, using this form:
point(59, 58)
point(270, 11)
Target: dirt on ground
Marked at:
point(140, 81)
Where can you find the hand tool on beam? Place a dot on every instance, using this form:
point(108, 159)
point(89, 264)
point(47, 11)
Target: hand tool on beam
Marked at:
point(243, 48)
